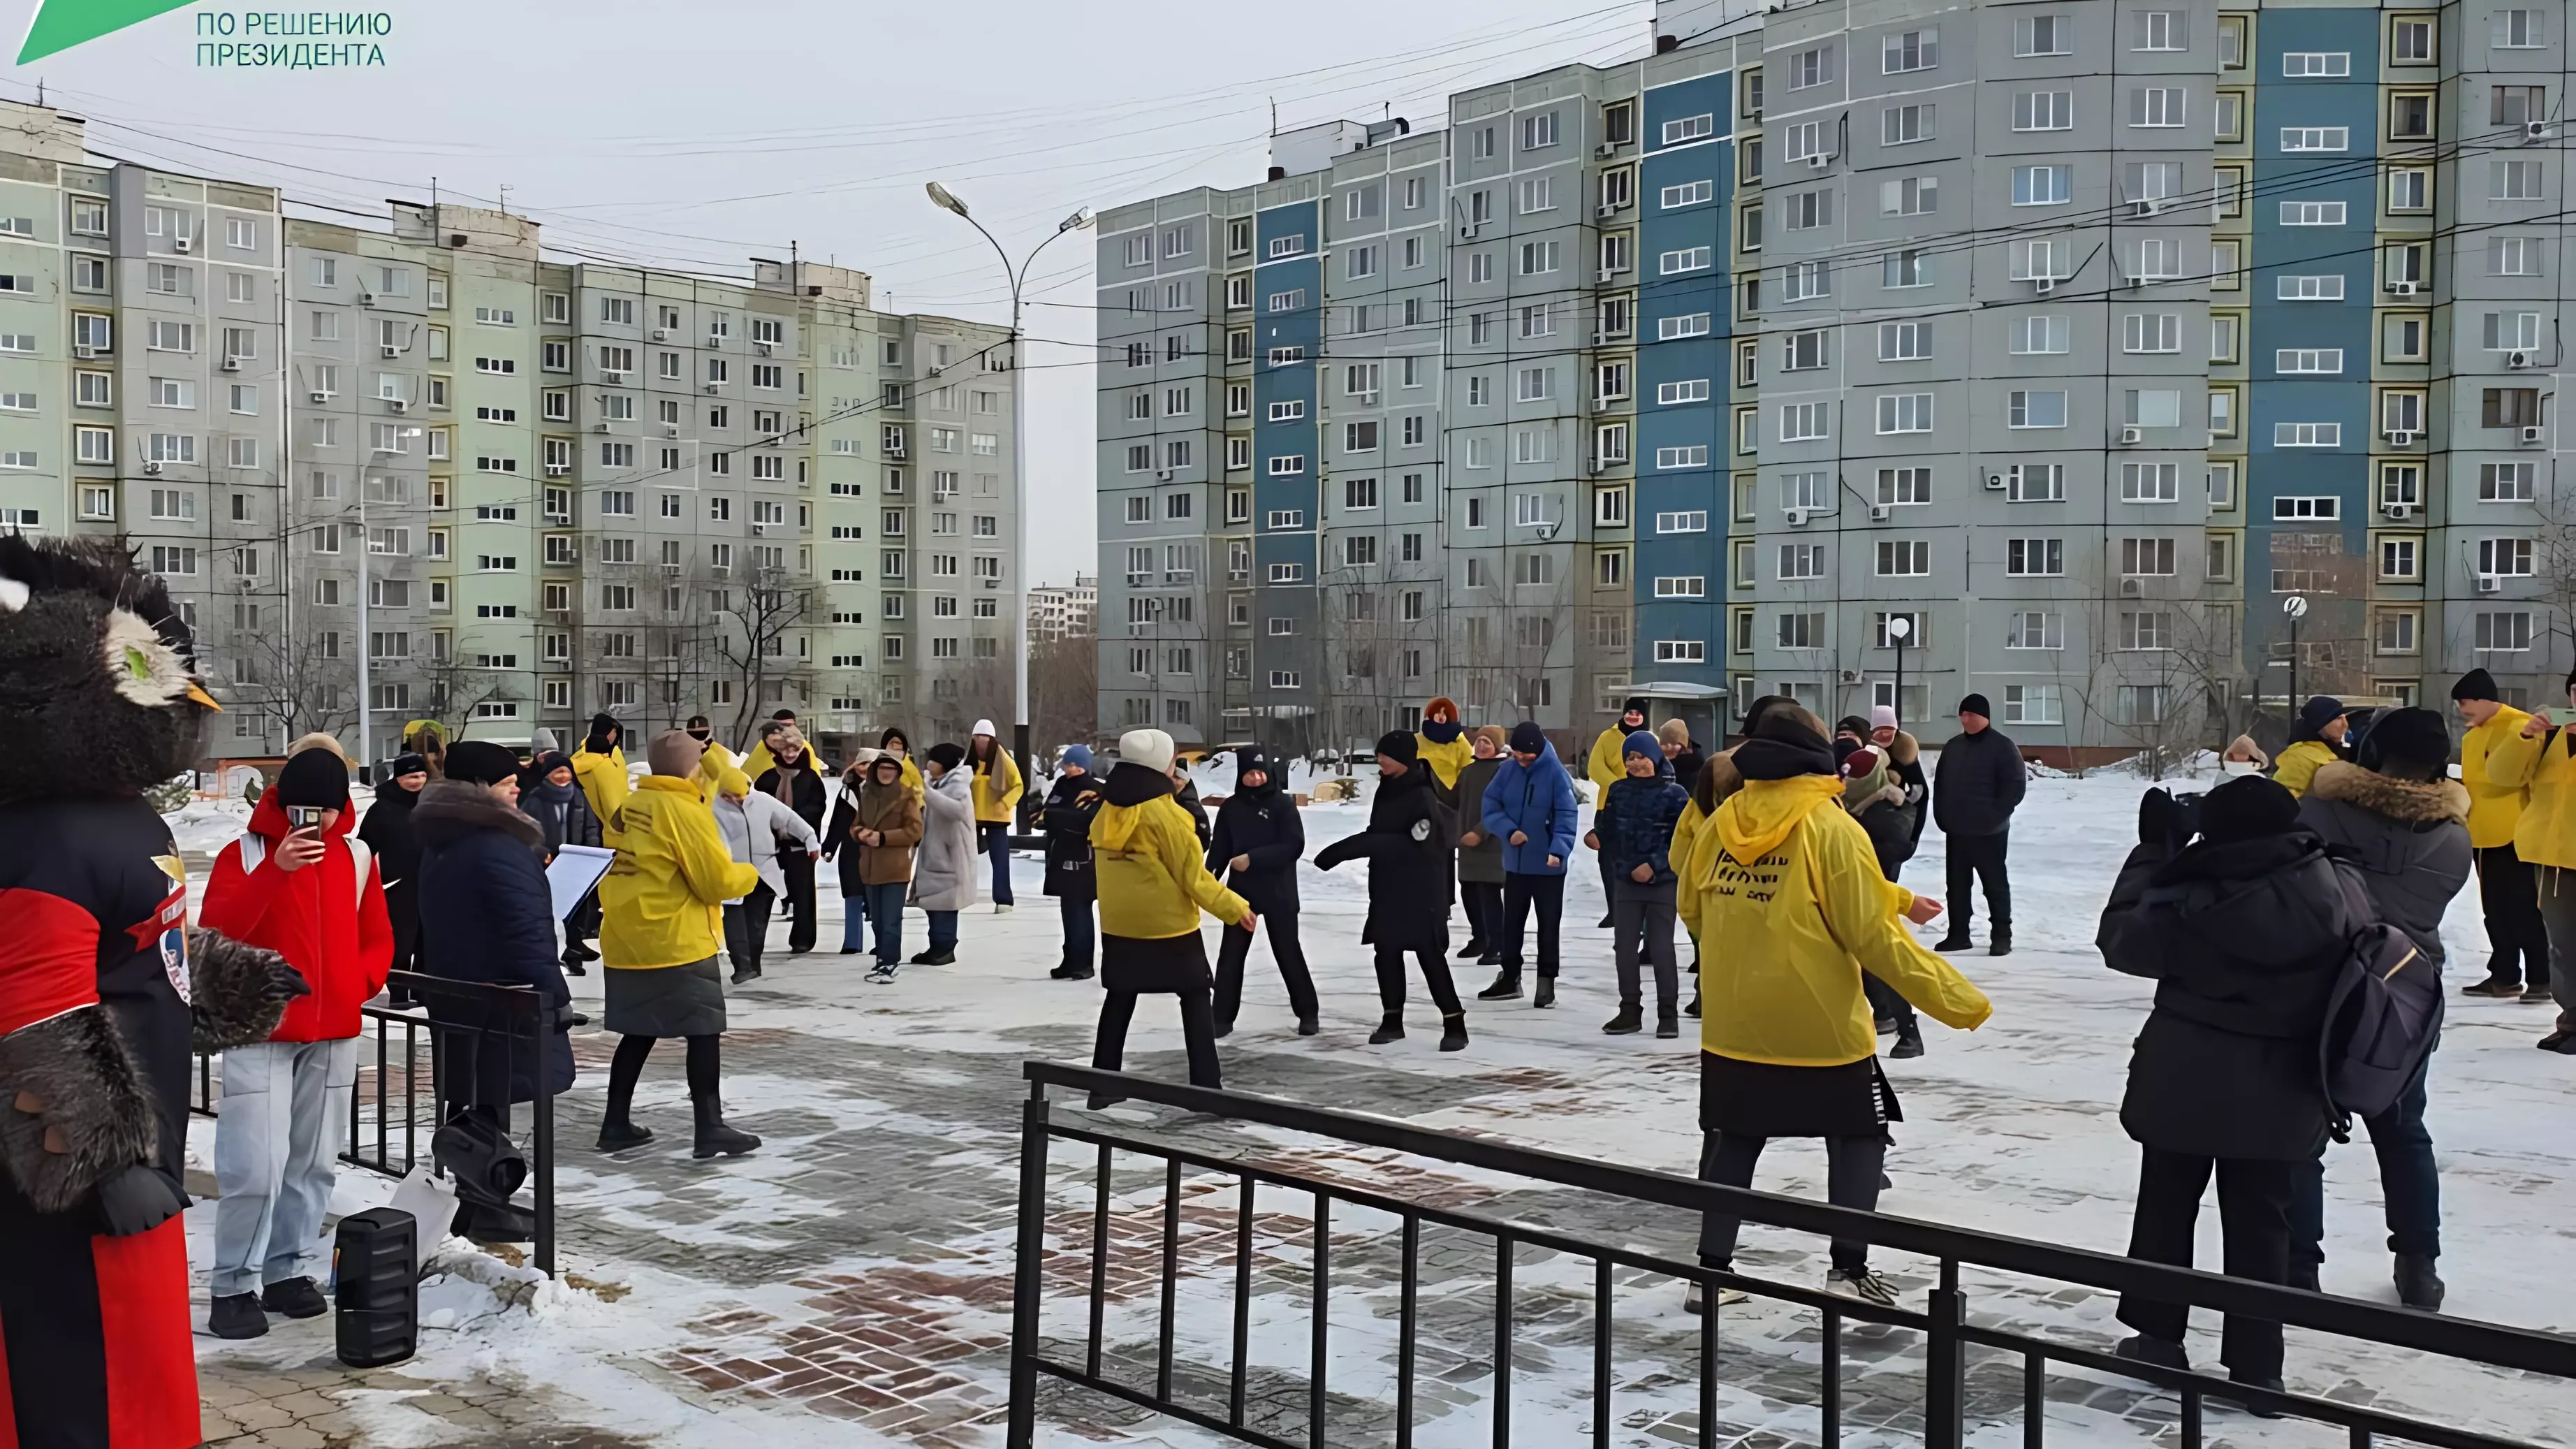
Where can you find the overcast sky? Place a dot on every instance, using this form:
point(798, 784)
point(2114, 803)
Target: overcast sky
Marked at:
point(695, 136)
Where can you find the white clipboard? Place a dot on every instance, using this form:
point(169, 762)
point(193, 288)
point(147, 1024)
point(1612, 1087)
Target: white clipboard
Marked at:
point(575, 869)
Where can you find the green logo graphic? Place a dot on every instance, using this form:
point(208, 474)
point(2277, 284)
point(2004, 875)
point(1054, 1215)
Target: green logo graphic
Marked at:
point(61, 24)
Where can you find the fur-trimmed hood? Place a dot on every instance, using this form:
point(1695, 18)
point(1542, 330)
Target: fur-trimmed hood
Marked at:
point(1904, 749)
point(2414, 802)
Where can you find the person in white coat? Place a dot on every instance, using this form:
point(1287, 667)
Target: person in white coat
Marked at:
point(943, 868)
point(756, 827)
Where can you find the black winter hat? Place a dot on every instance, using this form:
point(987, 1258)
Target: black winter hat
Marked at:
point(1976, 704)
point(1636, 705)
point(1527, 738)
point(2247, 807)
point(481, 761)
point(1249, 759)
point(1399, 746)
point(317, 778)
point(2476, 684)
point(407, 763)
point(2407, 737)
point(2320, 711)
point(947, 756)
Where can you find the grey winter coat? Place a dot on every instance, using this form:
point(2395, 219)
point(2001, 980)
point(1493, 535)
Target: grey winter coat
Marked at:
point(943, 867)
point(754, 829)
point(2410, 838)
point(1482, 862)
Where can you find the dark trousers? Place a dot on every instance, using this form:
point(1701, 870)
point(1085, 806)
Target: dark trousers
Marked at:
point(1078, 948)
point(1435, 972)
point(798, 867)
point(746, 926)
point(1484, 913)
point(1198, 1031)
point(2408, 1184)
point(1236, 947)
point(581, 926)
point(402, 912)
point(1982, 856)
point(1519, 893)
point(1641, 920)
point(2254, 1215)
point(1885, 1003)
point(2509, 889)
point(997, 844)
point(1609, 885)
point(1852, 1169)
point(885, 913)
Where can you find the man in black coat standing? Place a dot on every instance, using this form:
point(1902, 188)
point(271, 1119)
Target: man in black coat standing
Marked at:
point(1255, 849)
point(2244, 932)
point(1066, 819)
point(796, 782)
point(1974, 790)
point(1408, 845)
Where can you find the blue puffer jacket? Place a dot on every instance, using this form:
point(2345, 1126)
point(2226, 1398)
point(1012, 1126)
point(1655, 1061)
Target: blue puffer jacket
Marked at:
point(1538, 801)
point(1636, 823)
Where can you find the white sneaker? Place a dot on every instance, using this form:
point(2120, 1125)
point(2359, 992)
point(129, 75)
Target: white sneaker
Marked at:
point(1696, 1301)
point(881, 975)
point(1001, 908)
point(1865, 1285)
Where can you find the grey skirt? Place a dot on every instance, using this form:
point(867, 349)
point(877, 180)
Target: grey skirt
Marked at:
point(666, 1001)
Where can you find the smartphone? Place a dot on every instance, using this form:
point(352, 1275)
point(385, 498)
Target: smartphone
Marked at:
point(303, 817)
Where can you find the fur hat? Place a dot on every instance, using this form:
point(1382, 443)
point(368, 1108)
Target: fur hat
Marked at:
point(1152, 749)
point(1399, 746)
point(1442, 704)
point(318, 778)
point(318, 740)
point(98, 690)
point(481, 762)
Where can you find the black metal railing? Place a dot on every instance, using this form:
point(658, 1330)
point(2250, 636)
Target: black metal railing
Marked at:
point(435, 1052)
point(1948, 1335)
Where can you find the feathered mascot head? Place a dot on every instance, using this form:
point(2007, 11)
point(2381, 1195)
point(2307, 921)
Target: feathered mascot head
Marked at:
point(98, 690)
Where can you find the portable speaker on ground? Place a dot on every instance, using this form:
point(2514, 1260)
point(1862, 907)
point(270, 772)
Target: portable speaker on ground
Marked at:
point(374, 1262)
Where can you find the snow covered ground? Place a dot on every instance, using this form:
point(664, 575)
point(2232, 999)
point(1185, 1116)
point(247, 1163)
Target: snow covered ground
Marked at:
point(2010, 1129)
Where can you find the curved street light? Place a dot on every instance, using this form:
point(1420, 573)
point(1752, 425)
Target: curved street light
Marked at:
point(1017, 276)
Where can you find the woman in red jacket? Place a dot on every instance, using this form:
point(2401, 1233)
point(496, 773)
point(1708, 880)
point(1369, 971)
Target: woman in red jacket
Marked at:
point(298, 884)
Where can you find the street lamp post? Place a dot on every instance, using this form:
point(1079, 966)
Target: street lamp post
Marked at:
point(1898, 627)
point(2296, 606)
point(1018, 276)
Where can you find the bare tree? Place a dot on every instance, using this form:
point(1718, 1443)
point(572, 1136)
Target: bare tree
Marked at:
point(1064, 691)
point(750, 637)
point(303, 681)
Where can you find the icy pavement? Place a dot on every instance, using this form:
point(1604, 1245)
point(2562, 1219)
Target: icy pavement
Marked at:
point(851, 1282)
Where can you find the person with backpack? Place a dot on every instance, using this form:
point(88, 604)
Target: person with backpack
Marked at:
point(2508, 886)
point(1255, 847)
point(1530, 807)
point(2245, 931)
point(2541, 759)
point(1066, 819)
point(1633, 830)
point(2398, 815)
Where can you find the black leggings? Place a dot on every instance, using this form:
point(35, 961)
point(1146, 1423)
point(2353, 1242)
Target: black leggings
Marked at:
point(1852, 1169)
point(705, 1068)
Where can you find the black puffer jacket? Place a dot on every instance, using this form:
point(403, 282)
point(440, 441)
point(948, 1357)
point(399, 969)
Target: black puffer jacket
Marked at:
point(2410, 838)
point(1978, 783)
point(805, 793)
point(1261, 824)
point(1066, 819)
point(1408, 846)
point(2243, 940)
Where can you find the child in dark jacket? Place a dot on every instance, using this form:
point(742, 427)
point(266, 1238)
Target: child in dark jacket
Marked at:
point(1633, 830)
point(1256, 847)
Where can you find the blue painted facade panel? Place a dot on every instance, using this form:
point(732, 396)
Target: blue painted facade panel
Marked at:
point(1697, 481)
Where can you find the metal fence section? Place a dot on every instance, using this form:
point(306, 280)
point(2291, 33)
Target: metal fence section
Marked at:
point(413, 1059)
point(1947, 1333)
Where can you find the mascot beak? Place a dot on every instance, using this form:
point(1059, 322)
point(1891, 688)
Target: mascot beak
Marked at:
point(198, 693)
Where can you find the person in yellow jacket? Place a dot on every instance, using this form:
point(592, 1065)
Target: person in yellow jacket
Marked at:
point(2316, 740)
point(664, 899)
point(998, 787)
point(1442, 743)
point(2517, 939)
point(2540, 757)
point(1793, 910)
point(1153, 880)
point(599, 766)
point(1606, 766)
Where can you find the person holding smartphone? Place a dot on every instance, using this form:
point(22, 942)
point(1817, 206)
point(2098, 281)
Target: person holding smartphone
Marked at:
point(298, 884)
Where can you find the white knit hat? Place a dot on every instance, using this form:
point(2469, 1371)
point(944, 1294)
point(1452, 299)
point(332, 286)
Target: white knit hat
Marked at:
point(1882, 717)
point(1152, 749)
point(983, 727)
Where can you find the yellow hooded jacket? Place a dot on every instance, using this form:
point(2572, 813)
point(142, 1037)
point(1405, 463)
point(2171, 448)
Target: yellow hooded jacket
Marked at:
point(1608, 762)
point(1691, 835)
point(2493, 809)
point(2546, 832)
point(1792, 910)
point(1153, 876)
point(758, 762)
point(1446, 761)
point(602, 779)
point(662, 902)
point(998, 790)
point(2298, 764)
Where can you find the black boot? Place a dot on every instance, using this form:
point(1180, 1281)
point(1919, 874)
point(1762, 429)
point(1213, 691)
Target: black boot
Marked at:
point(1629, 1021)
point(617, 1134)
point(1909, 1041)
point(1957, 940)
point(1693, 1008)
point(1473, 948)
point(1072, 971)
point(1546, 993)
point(1667, 1026)
point(2418, 1286)
point(1307, 1025)
point(1506, 986)
point(1391, 1029)
point(1453, 1033)
point(715, 1139)
point(1224, 1029)
point(1999, 941)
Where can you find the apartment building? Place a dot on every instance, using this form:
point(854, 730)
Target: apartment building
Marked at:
point(527, 490)
point(1069, 612)
point(1866, 354)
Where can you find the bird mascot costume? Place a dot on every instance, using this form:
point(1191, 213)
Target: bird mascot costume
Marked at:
point(103, 995)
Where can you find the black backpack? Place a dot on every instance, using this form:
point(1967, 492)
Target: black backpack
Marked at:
point(2383, 1015)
